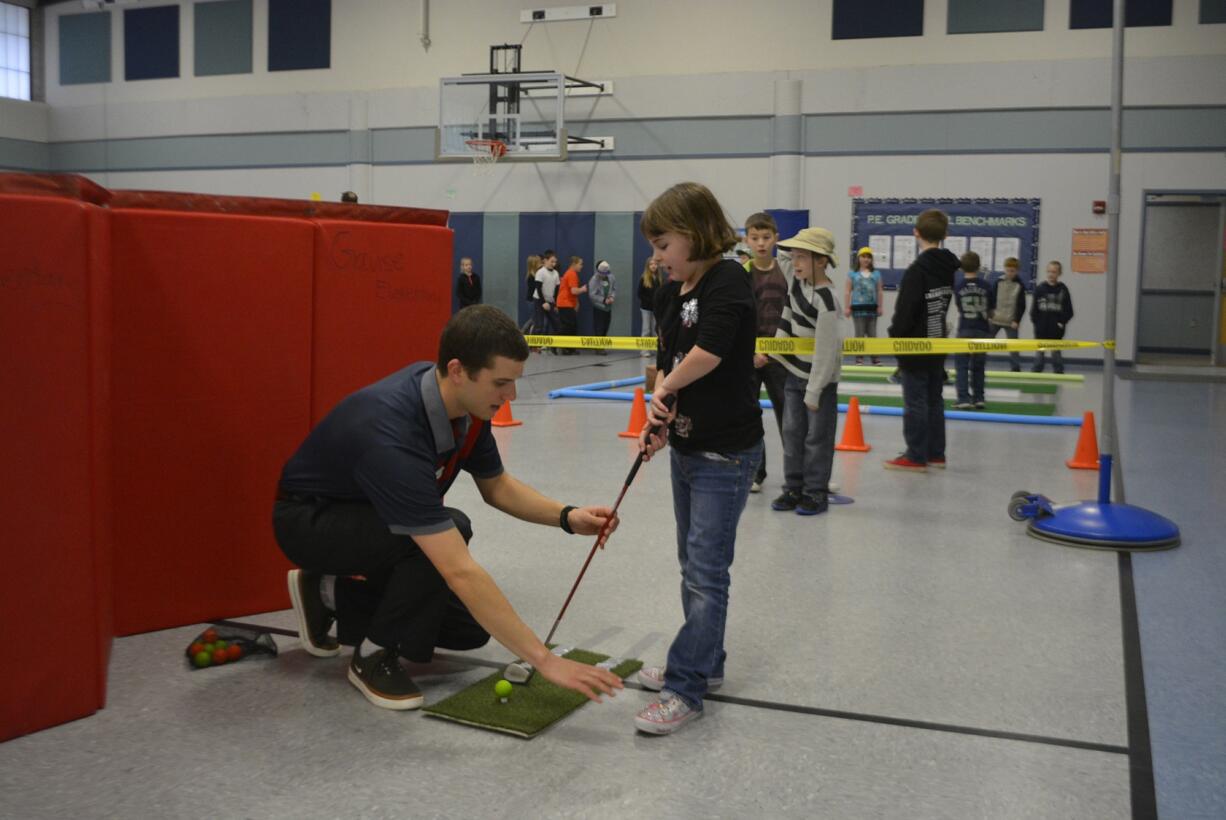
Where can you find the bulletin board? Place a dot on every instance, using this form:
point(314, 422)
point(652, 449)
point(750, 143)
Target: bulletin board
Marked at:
point(994, 228)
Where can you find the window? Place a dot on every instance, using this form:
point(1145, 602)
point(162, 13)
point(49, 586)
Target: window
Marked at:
point(14, 51)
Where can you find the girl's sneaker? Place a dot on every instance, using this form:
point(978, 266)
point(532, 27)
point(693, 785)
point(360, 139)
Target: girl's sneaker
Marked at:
point(665, 716)
point(652, 677)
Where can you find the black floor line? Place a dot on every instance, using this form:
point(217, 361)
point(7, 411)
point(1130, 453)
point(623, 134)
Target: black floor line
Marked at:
point(1140, 755)
point(816, 711)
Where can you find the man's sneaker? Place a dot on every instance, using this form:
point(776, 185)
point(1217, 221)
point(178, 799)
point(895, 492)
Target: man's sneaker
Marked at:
point(876, 361)
point(652, 677)
point(665, 716)
point(979, 405)
point(937, 462)
point(963, 405)
point(383, 681)
point(833, 486)
point(859, 360)
point(314, 619)
point(786, 502)
point(756, 486)
point(904, 463)
point(894, 378)
point(812, 504)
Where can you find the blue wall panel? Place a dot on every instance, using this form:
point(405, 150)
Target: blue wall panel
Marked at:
point(151, 43)
point(856, 19)
point(576, 236)
point(469, 229)
point(299, 34)
point(85, 48)
point(1097, 13)
point(223, 41)
point(537, 232)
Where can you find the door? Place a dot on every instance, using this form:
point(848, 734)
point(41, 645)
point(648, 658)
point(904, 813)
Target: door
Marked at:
point(1180, 316)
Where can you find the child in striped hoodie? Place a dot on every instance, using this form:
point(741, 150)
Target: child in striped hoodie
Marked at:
point(810, 407)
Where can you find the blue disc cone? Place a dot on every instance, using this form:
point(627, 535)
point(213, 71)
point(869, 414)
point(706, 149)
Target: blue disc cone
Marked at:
point(1100, 525)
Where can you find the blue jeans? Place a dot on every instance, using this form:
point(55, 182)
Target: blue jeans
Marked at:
point(923, 414)
point(1015, 358)
point(808, 437)
point(709, 494)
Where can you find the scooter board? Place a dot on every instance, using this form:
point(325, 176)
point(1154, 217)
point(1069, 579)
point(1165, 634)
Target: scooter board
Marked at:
point(530, 709)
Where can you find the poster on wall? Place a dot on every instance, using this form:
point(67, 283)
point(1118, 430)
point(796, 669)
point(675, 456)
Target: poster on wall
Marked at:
point(996, 229)
point(1089, 250)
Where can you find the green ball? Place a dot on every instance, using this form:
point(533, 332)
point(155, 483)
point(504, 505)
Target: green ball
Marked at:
point(220, 644)
point(502, 689)
point(202, 659)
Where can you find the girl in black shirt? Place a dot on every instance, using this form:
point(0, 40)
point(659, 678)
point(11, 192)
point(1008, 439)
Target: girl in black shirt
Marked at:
point(706, 318)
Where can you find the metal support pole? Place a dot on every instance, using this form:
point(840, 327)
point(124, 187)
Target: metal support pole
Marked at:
point(1108, 445)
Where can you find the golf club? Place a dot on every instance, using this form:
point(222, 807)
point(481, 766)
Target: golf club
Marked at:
point(520, 671)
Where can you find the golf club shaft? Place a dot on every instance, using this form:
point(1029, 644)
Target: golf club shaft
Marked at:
point(638, 462)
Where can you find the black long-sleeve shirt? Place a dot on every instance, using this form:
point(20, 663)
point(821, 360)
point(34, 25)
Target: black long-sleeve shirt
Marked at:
point(468, 290)
point(923, 301)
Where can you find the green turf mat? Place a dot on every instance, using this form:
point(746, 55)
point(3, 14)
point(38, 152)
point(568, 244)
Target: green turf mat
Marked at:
point(532, 707)
point(1020, 408)
point(1021, 387)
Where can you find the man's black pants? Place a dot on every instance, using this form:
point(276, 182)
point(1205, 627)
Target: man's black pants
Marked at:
point(402, 601)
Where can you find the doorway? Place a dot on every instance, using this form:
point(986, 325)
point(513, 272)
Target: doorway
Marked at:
point(1180, 316)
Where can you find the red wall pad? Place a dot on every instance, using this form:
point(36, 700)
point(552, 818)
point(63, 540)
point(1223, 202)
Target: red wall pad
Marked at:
point(56, 598)
point(270, 206)
point(70, 186)
point(211, 396)
point(382, 296)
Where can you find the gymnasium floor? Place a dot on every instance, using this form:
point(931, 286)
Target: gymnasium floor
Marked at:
point(913, 655)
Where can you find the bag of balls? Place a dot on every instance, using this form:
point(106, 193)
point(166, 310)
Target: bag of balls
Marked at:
point(220, 645)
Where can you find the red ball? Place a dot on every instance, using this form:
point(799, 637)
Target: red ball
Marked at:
point(196, 649)
point(234, 652)
point(219, 656)
point(210, 635)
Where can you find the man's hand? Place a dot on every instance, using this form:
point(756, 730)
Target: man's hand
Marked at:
point(812, 408)
point(587, 680)
point(546, 306)
point(1014, 325)
point(880, 310)
point(590, 520)
point(760, 360)
point(847, 310)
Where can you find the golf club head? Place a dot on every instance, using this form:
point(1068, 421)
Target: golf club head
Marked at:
point(518, 671)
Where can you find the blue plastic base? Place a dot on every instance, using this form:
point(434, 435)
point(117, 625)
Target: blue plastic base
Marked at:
point(1110, 526)
point(835, 498)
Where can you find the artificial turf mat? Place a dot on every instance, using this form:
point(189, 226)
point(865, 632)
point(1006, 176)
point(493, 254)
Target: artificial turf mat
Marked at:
point(532, 707)
point(1021, 387)
point(1020, 408)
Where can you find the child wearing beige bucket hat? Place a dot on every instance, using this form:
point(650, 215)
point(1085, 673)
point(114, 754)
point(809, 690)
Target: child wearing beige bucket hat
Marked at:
point(810, 406)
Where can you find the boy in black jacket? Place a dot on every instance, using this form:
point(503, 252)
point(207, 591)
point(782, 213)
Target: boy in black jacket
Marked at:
point(923, 300)
point(1051, 312)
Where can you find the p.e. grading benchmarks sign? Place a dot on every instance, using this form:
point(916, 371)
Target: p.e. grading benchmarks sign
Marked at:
point(996, 229)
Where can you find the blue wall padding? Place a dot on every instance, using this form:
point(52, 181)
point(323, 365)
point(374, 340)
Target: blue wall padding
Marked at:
point(469, 230)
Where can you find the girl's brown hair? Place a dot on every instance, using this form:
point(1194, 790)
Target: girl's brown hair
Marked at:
point(649, 275)
point(534, 264)
point(690, 209)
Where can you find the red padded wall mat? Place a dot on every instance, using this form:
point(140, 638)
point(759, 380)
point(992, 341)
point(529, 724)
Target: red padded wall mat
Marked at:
point(382, 296)
point(52, 376)
point(211, 364)
point(69, 186)
point(269, 206)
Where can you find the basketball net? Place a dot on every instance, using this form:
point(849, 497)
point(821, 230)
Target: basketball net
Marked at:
point(486, 154)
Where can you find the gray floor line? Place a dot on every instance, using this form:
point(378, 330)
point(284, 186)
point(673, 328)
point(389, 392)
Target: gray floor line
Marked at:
point(816, 711)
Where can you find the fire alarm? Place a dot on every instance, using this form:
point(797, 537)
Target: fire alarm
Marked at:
point(1100, 206)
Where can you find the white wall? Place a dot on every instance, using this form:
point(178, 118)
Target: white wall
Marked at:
point(375, 44)
point(683, 58)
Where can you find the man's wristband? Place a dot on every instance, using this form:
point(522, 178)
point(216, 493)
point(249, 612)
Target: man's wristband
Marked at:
point(563, 522)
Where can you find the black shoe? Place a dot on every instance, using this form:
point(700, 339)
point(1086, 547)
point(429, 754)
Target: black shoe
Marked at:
point(979, 405)
point(812, 504)
point(786, 502)
point(383, 680)
point(314, 619)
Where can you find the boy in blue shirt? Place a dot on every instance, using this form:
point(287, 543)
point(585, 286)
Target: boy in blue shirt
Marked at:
point(975, 301)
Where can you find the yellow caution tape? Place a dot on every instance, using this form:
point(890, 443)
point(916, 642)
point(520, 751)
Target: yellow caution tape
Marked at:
point(851, 347)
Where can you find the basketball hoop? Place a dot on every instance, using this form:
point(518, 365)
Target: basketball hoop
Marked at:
point(486, 154)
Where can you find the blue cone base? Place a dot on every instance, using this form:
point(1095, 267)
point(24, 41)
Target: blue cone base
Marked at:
point(1106, 526)
point(834, 498)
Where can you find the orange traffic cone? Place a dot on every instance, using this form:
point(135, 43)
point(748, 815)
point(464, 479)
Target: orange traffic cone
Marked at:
point(1085, 457)
point(638, 415)
point(503, 417)
point(853, 433)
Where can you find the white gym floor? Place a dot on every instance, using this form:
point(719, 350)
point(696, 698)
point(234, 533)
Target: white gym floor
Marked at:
point(914, 654)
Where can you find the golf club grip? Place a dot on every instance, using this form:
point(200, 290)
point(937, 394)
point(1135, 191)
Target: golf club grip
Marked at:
point(668, 401)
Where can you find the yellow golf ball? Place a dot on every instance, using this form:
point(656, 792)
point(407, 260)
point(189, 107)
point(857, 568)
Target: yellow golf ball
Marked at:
point(502, 689)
